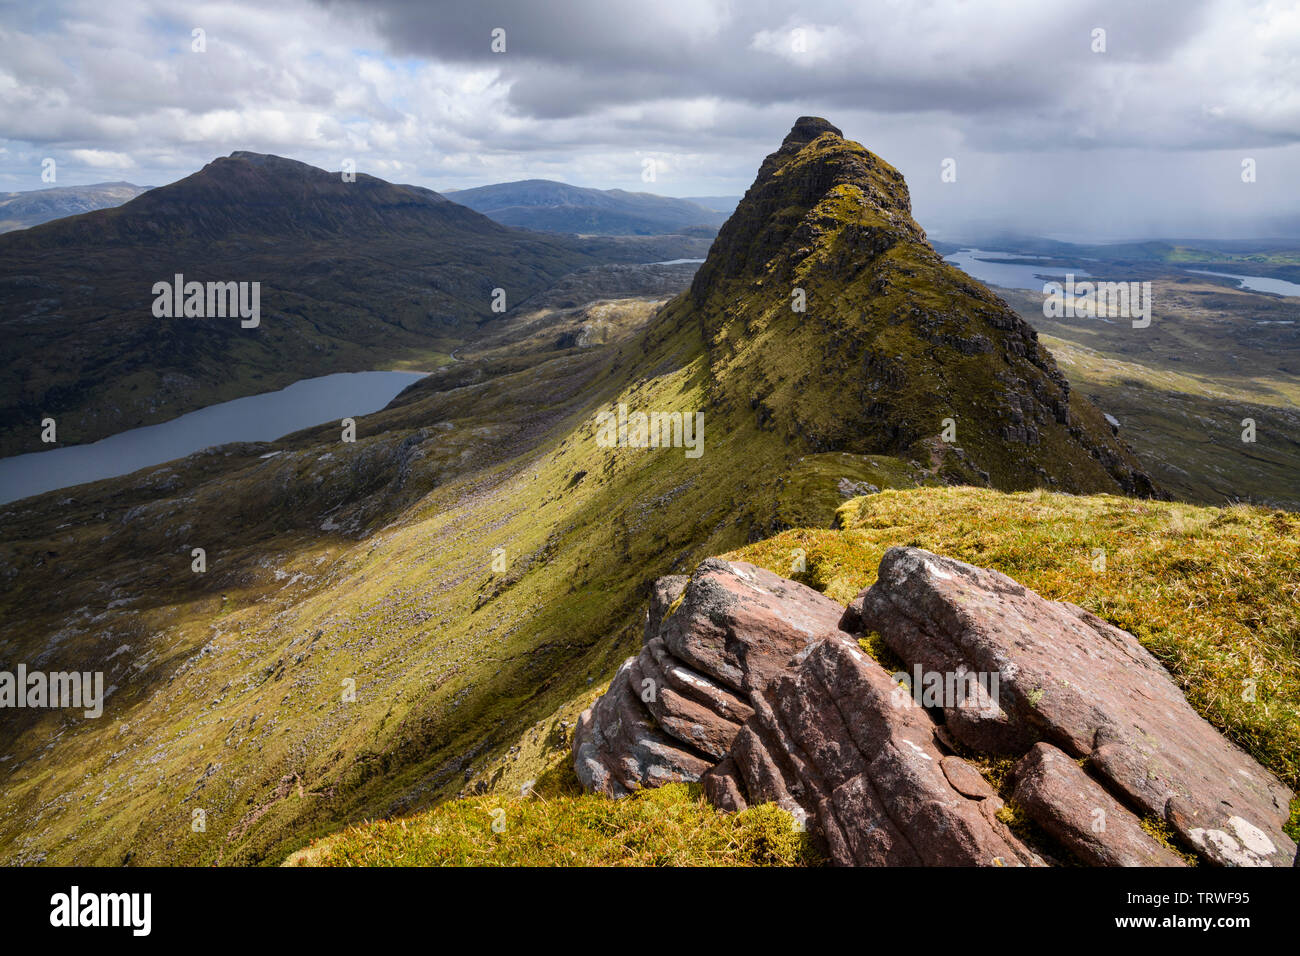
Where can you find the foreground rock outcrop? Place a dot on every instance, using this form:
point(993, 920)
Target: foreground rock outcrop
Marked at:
point(757, 687)
point(830, 740)
point(1087, 687)
point(674, 710)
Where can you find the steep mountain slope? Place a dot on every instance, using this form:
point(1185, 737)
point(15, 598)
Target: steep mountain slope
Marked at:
point(1181, 390)
point(893, 340)
point(353, 275)
point(21, 210)
point(1205, 589)
point(558, 207)
point(476, 563)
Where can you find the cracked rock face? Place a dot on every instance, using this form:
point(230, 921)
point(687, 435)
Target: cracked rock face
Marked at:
point(832, 741)
point(1072, 807)
point(1088, 688)
point(674, 709)
point(756, 687)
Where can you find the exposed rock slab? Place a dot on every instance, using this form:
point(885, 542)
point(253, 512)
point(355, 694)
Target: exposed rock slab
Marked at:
point(688, 720)
point(619, 748)
point(1072, 807)
point(832, 741)
point(674, 710)
point(1090, 689)
point(663, 593)
point(746, 683)
point(740, 624)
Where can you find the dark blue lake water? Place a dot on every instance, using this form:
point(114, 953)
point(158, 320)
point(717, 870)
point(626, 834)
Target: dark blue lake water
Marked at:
point(264, 417)
point(1030, 275)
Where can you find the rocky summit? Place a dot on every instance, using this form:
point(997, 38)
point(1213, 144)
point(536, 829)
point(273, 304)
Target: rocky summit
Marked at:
point(1079, 748)
point(830, 318)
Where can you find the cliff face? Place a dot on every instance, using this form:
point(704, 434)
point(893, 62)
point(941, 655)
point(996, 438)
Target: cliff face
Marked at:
point(827, 313)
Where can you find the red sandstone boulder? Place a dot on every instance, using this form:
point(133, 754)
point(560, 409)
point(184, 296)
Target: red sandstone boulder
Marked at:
point(1090, 689)
point(740, 624)
point(1069, 805)
point(747, 684)
point(833, 741)
point(674, 709)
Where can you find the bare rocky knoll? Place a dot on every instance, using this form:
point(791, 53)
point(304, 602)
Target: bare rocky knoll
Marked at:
point(762, 689)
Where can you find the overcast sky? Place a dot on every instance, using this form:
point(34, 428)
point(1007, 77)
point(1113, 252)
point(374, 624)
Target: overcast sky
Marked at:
point(1048, 136)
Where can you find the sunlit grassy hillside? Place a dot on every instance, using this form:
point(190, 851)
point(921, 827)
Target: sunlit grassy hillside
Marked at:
point(1211, 592)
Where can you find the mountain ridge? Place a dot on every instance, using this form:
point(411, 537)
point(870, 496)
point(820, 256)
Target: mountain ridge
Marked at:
point(377, 560)
point(554, 206)
point(259, 191)
point(354, 276)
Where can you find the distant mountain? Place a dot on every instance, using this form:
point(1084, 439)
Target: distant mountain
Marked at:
point(558, 207)
point(726, 204)
point(352, 274)
point(21, 210)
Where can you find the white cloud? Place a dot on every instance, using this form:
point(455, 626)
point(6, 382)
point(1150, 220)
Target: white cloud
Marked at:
point(103, 159)
point(1043, 128)
point(804, 45)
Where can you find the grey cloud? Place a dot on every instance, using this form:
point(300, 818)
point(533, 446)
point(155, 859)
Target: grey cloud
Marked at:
point(1043, 128)
point(571, 59)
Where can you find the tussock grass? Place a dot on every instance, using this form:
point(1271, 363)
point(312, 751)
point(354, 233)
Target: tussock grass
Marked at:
point(669, 826)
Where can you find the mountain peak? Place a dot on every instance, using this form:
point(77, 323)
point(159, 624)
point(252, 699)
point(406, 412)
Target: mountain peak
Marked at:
point(808, 128)
point(806, 131)
point(271, 164)
point(820, 183)
point(251, 197)
point(828, 314)
point(251, 156)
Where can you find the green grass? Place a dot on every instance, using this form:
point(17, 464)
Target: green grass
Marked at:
point(1210, 591)
point(465, 679)
point(811, 494)
point(669, 826)
point(1162, 831)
